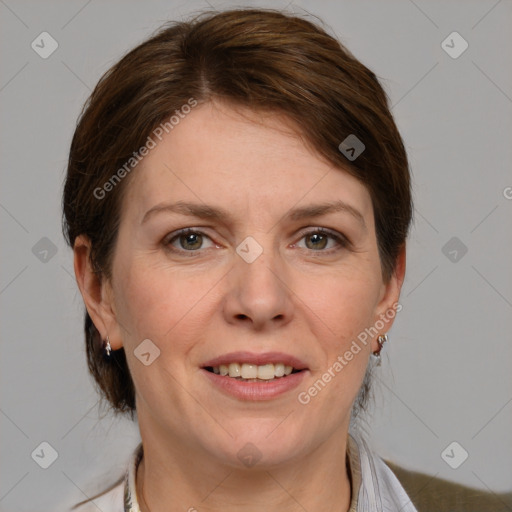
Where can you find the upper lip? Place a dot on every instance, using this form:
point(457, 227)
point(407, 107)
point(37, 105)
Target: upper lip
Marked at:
point(257, 359)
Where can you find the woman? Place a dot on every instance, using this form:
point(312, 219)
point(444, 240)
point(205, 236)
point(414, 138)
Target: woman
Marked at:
point(238, 201)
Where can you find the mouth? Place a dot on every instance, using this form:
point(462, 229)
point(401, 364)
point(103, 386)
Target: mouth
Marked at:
point(247, 372)
point(249, 376)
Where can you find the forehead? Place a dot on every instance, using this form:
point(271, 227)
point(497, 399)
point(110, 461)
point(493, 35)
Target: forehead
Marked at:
point(238, 158)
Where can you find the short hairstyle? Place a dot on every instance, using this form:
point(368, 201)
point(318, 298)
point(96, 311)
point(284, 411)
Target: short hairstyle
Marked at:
point(262, 59)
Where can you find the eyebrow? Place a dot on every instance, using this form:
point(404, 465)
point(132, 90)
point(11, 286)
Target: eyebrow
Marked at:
point(204, 211)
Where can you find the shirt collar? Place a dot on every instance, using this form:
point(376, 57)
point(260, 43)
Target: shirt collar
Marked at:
point(131, 503)
point(354, 472)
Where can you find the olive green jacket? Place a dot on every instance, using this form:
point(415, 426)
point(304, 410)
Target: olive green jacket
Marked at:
point(430, 494)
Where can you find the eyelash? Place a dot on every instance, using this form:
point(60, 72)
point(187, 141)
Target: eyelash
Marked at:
point(341, 240)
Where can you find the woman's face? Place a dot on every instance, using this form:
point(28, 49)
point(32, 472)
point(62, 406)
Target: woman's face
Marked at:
point(253, 283)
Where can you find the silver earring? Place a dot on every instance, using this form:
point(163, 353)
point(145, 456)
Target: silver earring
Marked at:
point(383, 338)
point(108, 348)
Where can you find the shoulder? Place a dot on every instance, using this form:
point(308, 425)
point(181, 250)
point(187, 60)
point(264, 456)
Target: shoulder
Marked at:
point(119, 495)
point(431, 493)
point(111, 500)
point(378, 487)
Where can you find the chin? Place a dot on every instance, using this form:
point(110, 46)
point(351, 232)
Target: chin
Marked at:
point(262, 443)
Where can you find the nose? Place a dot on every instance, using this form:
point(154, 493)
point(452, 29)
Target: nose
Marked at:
point(258, 294)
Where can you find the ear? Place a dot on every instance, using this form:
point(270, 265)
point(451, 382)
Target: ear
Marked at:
point(390, 295)
point(97, 293)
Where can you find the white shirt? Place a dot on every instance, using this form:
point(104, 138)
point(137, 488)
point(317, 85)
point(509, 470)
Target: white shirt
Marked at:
point(375, 488)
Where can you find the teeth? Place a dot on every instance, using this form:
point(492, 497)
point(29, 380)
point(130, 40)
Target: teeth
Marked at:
point(235, 370)
point(253, 372)
point(249, 371)
point(266, 372)
point(279, 369)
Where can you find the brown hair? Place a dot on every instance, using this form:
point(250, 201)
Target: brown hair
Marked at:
point(261, 59)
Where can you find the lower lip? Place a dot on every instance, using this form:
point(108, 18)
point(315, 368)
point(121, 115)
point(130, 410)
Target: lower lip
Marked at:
point(255, 390)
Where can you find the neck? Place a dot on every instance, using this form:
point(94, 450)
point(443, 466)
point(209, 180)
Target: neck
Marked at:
point(169, 482)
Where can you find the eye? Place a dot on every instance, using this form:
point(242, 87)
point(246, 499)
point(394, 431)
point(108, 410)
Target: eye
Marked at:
point(319, 240)
point(191, 241)
point(186, 240)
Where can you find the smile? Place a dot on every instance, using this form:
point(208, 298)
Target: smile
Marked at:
point(247, 372)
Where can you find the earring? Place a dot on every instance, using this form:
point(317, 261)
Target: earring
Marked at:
point(383, 338)
point(108, 348)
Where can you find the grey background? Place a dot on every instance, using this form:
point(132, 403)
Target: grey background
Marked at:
point(446, 372)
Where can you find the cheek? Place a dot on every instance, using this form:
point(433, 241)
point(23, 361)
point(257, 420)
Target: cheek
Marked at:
point(344, 303)
point(345, 312)
point(159, 303)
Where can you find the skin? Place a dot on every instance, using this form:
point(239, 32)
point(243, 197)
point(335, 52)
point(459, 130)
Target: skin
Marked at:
point(304, 296)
